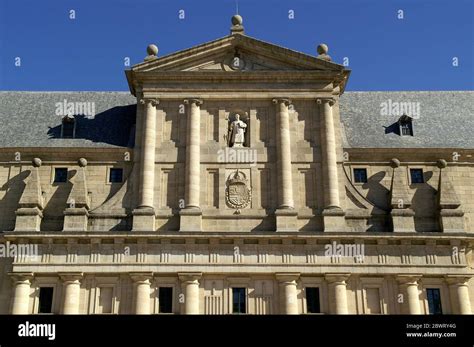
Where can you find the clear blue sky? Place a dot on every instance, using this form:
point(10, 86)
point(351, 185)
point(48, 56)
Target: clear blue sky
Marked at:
point(384, 52)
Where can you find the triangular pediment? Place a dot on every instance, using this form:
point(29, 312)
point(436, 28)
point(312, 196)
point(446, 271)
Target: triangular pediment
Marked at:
point(237, 53)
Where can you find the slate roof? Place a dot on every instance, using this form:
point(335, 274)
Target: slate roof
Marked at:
point(446, 120)
point(29, 119)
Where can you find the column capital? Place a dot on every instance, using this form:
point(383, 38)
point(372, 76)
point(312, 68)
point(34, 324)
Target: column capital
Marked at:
point(409, 279)
point(190, 276)
point(21, 277)
point(460, 280)
point(337, 278)
point(191, 101)
point(330, 100)
point(285, 101)
point(152, 101)
point(71, 277)
point(287, 277)
point(141, 277)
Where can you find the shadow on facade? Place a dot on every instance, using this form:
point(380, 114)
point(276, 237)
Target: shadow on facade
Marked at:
point(424, 205)
point(14, 189)
point(114, 126)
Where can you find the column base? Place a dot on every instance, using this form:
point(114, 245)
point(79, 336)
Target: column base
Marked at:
point(28, 219)
point(403, 220)
point(286, 220)
point(333, 219)
point(451, 221)
point(75, 219)
point(190, 219)
point(143, 219)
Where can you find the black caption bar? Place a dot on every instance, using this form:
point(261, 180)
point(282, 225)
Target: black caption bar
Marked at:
point(377, 330)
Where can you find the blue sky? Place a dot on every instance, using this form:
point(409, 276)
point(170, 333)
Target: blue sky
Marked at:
point(384, 52)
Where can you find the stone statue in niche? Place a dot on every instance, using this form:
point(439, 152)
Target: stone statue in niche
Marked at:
point(236, 134)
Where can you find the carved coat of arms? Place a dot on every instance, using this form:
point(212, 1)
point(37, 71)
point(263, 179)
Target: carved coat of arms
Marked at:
point(238, 193)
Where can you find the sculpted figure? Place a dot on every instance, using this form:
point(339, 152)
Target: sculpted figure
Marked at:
point(237, 132)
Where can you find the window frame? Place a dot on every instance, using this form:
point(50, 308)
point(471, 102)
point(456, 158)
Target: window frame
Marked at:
point(412, 169)
point(405, 122)
point(109, 180)
point(159, 298)
point(53, 180)
point(67, 119)
point(95, 292)
point(319, 299)
point(354, 175)
point(245, 291)
point(440, 298)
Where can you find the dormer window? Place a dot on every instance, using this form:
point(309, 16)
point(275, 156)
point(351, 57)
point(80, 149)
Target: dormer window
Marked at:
point(68, 127)
point(406, 125)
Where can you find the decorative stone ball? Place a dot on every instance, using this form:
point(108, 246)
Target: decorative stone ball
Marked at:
point(82, 162)
point(36, 162)
point(323, 49)
point(394, 163)
point(237, 20)
point(442, 163)
point(152, 50)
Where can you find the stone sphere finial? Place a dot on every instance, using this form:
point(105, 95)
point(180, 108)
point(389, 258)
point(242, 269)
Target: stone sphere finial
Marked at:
point(237, 20)
point(442, 163)
point(36, 162)
point(323, 48)
point(394, 163)
point(152, 50)
point(237, 27)
point(82, 162)
point(323, 52)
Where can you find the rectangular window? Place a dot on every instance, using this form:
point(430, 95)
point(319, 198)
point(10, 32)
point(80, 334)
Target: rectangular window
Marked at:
point(46, 300)
point(416, 175)
point(116, 175)
point(406, 129)
point(312, 300)
point(239, 304)
point(60, 175)
point(434, 301)
point(360, 175)
point(165, 298)
point(68, 129)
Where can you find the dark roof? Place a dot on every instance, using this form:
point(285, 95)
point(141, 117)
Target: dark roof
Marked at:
point(446, 120)
point(29, 119)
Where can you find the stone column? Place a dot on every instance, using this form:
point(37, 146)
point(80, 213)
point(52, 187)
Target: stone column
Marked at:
point(332, 214)
point(338, 293)
point(21, 295)
point(147, 162)
point(142, 292)
point(72, 287)
point(190, 287)
point(191, 215)
point(285, 215)
point(409, 290)
point(285, 182)
point(144, 215)
point(459, 293)
point(288, 293)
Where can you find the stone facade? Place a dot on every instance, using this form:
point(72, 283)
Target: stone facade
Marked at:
point(203, 216)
